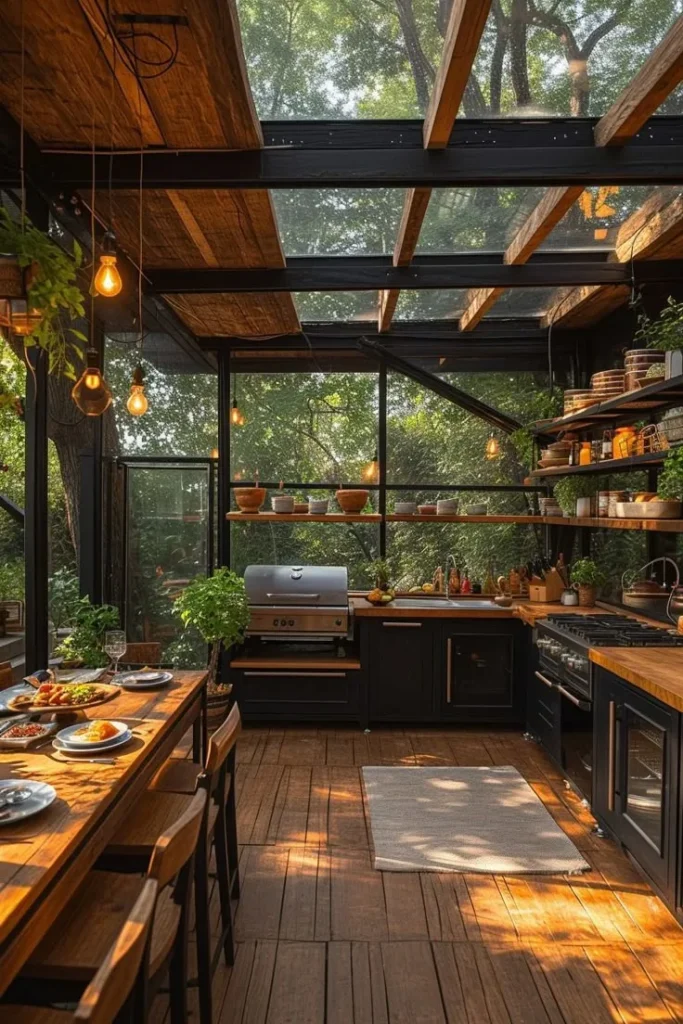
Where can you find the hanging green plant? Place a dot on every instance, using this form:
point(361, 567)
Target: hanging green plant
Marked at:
point(52, 290)
point(665, 332)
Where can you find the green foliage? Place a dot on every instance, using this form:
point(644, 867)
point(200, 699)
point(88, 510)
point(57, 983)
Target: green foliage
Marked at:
point(586, 573)
point(12, 581)
point(570, 488)
point(186, 651)
point(670, 484)
point(216, 606)
point(52, 290)
point(85, 645)
point(665, 332)
point(378, 572)
point(64, 597)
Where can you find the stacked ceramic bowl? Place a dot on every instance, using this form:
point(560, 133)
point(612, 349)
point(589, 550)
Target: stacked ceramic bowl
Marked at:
point(318, 506)
point(577, 399)
point(405, 508)
point(447, 507)
point(549, 506)
point(556, 454)
point(608, 384)
point(637, 363)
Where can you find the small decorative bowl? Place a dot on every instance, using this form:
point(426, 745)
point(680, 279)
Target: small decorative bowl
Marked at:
point(447, 507)
point(476, 510)
point(300, 507)
point(283, 503)
point(318, 506)
point(405, 508)
point(427, 510)
point(353, 500)
point(249, 499)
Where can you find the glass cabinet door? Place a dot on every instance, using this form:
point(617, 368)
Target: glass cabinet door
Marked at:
point(644, 775)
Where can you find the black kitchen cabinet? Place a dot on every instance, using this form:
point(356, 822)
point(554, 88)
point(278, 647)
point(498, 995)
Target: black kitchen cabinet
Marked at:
point(398, 658)
point(544, 708)
point(297, 694)
point(636, 754)
point(479, 666)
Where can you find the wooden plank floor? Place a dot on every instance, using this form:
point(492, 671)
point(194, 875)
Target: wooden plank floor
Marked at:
point(324, 939)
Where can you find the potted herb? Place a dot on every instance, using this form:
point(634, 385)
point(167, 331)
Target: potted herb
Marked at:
point(665, 333)
point(217, 607)
point(586, 578)
point(51, 291)
point(84, 646)
point(570, 489)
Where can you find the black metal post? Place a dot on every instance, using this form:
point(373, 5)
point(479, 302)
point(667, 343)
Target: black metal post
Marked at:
point(382, 458)
point(36, 546)
point(224, 471)
point(90, 562)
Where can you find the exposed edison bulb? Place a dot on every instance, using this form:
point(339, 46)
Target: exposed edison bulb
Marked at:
point(137, 403)
point(492, 448)
point(214, 453)
point(91, 392)
point(107, 279)
point(236, 417)
point(370, 473)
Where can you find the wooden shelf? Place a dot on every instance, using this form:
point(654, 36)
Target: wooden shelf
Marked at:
point(629, 406)
point(634, 462)
point(302, 517)
point(417, 518)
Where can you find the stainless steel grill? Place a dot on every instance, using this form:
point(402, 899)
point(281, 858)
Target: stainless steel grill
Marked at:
point(308, 601)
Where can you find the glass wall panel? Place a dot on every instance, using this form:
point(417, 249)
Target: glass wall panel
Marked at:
point(328, 307)
point(338, 221)
point(474, 219)
point(563, 57)
point(12, 431)
point(430, 304)
point(516, 302)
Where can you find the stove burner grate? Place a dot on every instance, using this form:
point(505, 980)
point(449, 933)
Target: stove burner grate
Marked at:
point(613, 631)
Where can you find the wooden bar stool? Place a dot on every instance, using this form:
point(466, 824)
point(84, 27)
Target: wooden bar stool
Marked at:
point(77, 944)
point(180, 776)
point(114, 991)
point(133, 844)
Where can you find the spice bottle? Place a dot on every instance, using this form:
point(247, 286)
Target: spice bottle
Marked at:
point(454, 581)
point(585, 454)
point(465, 586)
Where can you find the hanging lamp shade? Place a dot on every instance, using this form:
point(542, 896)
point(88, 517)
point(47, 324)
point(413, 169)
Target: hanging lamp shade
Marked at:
point(23, 318)
point(91, 392)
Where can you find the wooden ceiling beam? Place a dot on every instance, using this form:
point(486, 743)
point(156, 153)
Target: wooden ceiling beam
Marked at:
point(463, 34)
point(659, 75)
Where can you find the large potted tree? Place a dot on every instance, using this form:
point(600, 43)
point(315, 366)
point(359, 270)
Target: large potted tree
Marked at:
point(217, 607)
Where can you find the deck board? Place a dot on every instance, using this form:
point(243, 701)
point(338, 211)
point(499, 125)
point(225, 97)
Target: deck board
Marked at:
point(321, 936)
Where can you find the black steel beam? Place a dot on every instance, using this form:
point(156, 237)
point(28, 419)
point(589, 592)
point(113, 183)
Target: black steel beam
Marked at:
point(458, 165)
point(36, 543)
point(314, 274)
point(13, 510)
point(495, 417)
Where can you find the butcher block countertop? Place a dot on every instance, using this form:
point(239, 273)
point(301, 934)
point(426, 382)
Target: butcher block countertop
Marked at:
point(656, 670)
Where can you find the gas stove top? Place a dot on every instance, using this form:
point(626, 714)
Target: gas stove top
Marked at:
point(611, 631)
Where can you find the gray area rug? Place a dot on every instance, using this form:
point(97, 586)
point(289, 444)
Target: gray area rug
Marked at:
point(464, 819)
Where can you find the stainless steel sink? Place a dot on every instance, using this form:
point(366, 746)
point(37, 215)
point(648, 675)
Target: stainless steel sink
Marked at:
point(462, 604)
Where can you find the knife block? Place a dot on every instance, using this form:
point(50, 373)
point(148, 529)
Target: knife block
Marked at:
point(550, 590)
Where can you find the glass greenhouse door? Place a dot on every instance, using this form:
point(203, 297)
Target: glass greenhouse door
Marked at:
point(169, 535)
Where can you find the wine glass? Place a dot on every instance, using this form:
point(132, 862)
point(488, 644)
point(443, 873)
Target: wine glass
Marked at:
point(115, 645)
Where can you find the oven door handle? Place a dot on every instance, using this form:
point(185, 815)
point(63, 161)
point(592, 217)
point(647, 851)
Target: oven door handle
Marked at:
point(546, 681)
point(584, 705)
point(290, 597)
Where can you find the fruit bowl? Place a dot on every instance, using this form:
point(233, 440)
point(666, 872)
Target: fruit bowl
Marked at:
point(380, 597)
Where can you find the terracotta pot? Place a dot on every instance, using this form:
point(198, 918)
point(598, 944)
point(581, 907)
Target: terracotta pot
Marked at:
point(217, 708)
point(587, 595)
point(352, 501)
point(249, 499)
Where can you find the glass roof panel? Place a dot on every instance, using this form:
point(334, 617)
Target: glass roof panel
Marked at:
point(331, 307)
point(521, 302)
point(338, 221)
point(310, 59)
point(430, 304)
point(474, 219)
point(563, 57)
point(596, 219)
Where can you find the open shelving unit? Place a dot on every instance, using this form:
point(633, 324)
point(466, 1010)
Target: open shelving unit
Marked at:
point(303, 517)
point(633, 462)
point(630, 406)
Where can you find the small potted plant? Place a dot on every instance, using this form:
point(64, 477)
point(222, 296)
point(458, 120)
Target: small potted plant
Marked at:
point(586, 578)
point(378, 571)
point(84, 646)
point(664, 333)
point(217, 607)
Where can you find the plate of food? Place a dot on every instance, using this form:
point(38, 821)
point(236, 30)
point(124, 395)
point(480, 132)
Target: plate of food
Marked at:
point(99, 748)
point(21, 733)
point(62, 697)
point(93, 734)
point(21, 798)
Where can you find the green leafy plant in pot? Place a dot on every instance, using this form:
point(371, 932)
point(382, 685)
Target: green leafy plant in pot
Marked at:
point(586, 577)
point(664, 333)
point(217, 607)
point(84, 646)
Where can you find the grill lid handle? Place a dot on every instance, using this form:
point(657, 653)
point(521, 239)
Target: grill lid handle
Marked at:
point(290, 597)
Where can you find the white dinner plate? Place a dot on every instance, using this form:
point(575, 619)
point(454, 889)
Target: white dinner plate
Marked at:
point(142, 680)
point(69, 739)
point(41, 797)
point(113, 744)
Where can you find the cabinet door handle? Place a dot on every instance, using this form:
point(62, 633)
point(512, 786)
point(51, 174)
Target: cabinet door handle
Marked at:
point(402, 625)
point(611, 749)
point(300, 675)
point(449, 666)
point(545, 681)
point(585, 705)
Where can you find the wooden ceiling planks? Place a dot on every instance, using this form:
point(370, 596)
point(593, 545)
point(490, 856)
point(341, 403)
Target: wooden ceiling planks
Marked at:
point(659, 75)
point(466, 24)
point(237, 314)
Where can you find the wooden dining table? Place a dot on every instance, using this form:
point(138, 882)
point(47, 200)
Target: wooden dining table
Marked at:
point(45, 858)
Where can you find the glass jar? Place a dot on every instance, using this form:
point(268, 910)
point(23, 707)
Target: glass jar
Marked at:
point(585, 455)
point(623, 442)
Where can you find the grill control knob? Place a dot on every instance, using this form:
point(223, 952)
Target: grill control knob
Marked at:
point(291, 622)
point(337, 622)
point(276, 622)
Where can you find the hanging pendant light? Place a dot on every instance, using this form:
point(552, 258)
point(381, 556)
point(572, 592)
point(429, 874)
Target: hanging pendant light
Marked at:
point(108, 281)
point(23, 319)
point(492, 448)
point(370, 473)
point(91, 392)
point(236, 417)
point(214, 453)
point(137, 403)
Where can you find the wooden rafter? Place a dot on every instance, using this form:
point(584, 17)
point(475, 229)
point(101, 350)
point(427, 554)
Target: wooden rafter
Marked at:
point(465, 27)
point(659, 75)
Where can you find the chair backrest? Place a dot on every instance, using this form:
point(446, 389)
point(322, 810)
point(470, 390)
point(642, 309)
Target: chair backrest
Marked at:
point(223, 741)
point(176, 846)
point(148, 653)
point(113, 984)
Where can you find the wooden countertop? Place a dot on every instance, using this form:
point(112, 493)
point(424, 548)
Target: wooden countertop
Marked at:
point(656, 670)
point(46, 857)
point(364, 610)
point(306, 662)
